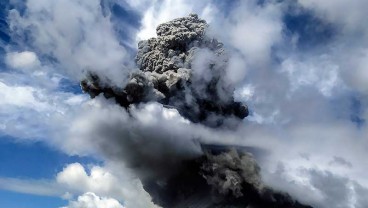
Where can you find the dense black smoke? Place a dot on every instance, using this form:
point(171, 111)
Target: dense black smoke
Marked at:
point(222, 177)
point(183, 68)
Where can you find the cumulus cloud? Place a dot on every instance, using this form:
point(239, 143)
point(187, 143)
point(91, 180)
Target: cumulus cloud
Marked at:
point(124, 187)
point(91, 200)
point(22, 60)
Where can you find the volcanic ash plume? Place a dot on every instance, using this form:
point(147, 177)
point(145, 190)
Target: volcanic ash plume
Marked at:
point(184, 69)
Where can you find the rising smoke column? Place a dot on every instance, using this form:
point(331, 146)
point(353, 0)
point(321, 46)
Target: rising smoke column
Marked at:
point(184, 69)
point(181, 68)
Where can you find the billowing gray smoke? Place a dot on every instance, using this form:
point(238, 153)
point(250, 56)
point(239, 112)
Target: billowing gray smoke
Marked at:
point(183, 68)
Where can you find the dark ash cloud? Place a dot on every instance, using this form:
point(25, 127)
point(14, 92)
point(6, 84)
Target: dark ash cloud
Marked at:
point(184, 70)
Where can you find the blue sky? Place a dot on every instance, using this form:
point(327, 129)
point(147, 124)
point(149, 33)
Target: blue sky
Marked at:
point(28, 161)
point(18, 200)
point(301, 66)
point(32, 160)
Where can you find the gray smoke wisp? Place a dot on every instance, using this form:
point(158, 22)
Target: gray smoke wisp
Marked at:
point(183, 70)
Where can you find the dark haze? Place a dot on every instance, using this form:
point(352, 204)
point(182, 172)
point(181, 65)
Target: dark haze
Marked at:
point(183, 69)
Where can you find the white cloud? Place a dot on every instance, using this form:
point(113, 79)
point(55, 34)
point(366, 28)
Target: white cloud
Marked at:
point(350, 38)
point(320, 73)
point(35, 187)
point(302, 152)
point(21, 96)
point(82, 40)
point(252, 29)
point(25, 60)
point(73, 180)
point(347, 13)
point(124, 187)
point(356, 73)
point(30, 112)
point(91, 200)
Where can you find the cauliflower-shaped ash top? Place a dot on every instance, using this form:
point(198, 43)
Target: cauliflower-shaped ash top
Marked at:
point(182, 68)
point(171, 49)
